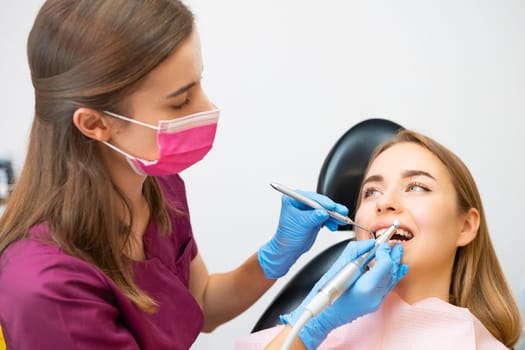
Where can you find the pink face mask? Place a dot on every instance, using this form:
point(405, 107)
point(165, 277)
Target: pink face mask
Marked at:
point(182, 142)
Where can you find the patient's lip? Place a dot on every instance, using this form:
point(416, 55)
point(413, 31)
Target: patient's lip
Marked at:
point(381, 225)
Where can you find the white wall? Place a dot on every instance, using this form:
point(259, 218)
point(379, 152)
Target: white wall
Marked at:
point(292, 76)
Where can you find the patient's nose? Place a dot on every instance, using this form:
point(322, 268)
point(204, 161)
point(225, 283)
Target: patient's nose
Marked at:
point(388, 203)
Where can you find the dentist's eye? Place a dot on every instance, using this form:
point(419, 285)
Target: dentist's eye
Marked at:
point(370, 191)
point(417, 187)
point(180, 106)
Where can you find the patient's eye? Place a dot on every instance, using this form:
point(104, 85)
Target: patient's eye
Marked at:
point(370, 191)
point(417, 187)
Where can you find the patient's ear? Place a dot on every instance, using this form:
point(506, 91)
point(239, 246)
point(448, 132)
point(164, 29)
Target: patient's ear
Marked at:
point(92, 123)
point(469, 229)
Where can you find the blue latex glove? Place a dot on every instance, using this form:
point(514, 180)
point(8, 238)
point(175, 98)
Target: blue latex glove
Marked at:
point(365, 296)
point(296, 232)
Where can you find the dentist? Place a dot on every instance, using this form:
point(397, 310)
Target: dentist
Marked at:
point(97, 250)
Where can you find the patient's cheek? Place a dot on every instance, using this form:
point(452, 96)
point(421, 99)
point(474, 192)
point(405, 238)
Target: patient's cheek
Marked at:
point(360, 235)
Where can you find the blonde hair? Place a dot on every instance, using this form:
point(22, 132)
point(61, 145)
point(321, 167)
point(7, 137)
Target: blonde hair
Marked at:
point(90, 53)
point(478, 282)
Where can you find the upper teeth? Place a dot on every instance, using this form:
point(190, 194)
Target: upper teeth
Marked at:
point(399, 231)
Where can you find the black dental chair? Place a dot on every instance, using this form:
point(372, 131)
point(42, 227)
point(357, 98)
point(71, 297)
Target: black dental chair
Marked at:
point(340, 179)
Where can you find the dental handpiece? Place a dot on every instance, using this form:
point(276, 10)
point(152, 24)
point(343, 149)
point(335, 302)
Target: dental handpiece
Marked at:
point(347, 276)
point(313, 204)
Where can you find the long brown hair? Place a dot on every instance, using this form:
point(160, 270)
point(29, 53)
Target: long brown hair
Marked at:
point(89, 53)
point(478, 282)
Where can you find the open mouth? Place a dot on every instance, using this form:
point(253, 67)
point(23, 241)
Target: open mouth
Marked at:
point(400, 235)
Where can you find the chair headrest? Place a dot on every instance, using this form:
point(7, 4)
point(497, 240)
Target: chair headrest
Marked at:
point(344, 167)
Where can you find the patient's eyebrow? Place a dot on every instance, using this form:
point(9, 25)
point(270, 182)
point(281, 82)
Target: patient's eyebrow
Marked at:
point(405, 174)
point(373, 178)
point(412, 173)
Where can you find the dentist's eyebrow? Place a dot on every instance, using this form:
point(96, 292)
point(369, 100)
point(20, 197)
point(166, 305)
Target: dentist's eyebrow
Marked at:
point(413, 173)
point(181, 90)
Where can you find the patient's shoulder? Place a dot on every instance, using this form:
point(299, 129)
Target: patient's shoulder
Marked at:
point(484, 339)
point(257, 340)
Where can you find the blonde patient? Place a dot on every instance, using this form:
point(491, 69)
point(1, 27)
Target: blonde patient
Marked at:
point(455, 295)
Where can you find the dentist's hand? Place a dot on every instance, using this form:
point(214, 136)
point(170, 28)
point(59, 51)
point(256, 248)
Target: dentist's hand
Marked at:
point(297, 230)
point(365, 296)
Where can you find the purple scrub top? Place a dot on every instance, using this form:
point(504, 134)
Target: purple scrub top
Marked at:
point(51, 300)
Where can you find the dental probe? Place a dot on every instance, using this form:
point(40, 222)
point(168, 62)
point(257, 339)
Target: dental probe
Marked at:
point(313, 204)
point(341, 281)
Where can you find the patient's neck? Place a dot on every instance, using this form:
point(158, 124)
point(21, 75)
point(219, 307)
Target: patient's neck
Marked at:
point(416, 286)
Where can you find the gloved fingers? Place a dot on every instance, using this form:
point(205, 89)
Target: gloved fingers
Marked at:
point(299, 227)
point(333, 224)
point(294, 214)
point(365, 296)
point(396, 255)
point(314, 218)
point(294, 208)
point(355, 249)
point(403, 269)
point(380, 275)
point(352, 251)
point(399, 270)
point(324, 201)
point(388, 262)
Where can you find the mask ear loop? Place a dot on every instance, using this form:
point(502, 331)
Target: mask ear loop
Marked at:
point(128, 156)
point(129, 159)
point(134, 121)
